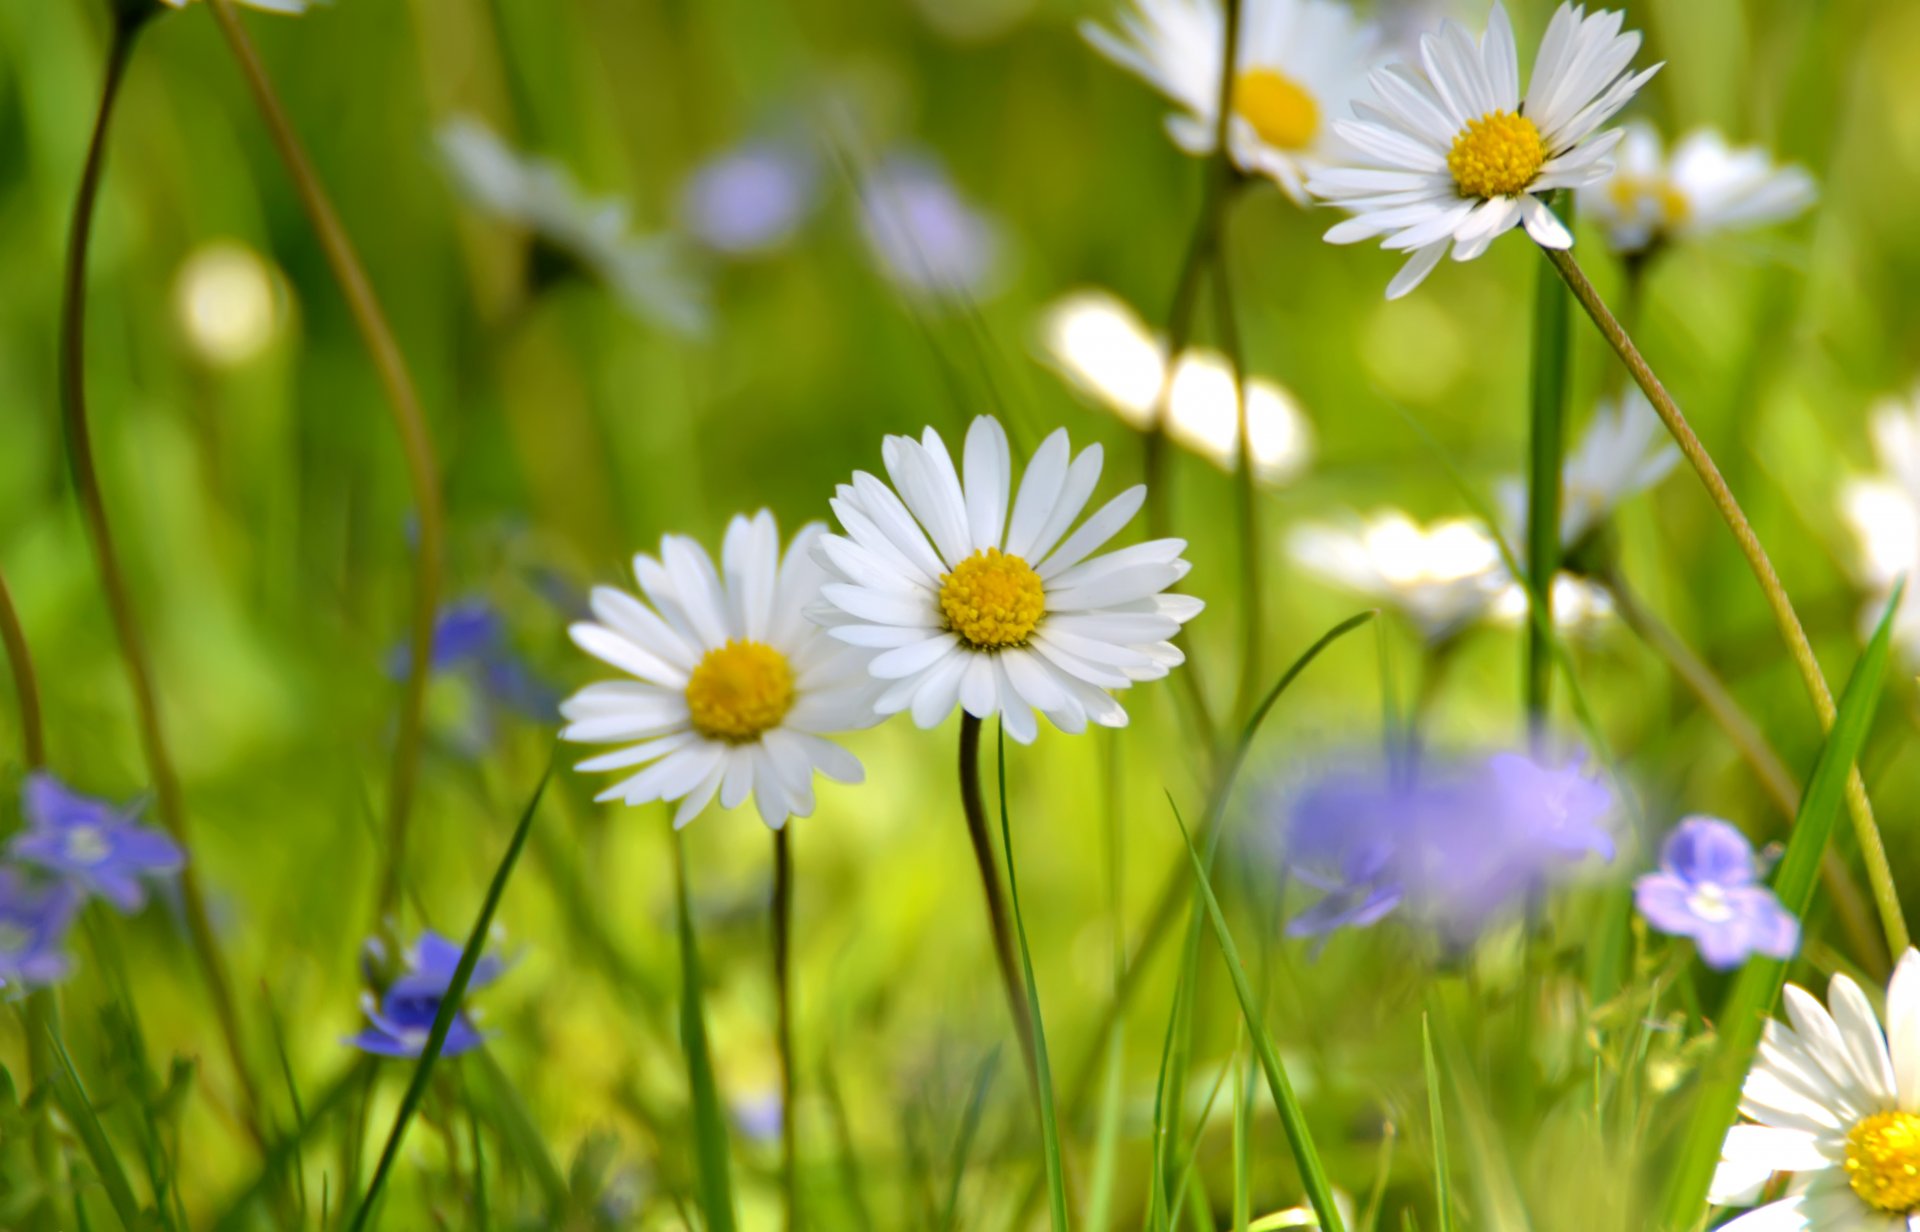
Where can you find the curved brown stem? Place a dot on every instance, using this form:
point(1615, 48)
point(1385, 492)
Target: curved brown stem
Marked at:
point(974, 805)
point(415, 441)
point(1872, 850)
point(93, 509)
point(33, 738)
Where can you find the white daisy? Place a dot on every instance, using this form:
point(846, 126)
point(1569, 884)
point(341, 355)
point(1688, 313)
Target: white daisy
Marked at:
point(1624, 451)
point(1442, 577)
point(1452, 154)
point(732, 688)
point(1103, 348)
point(1835, 1103)
point(1884, 512)
point(649, 274)
point(1002, 613)
point(1703, 186)
point(1580, 605)
point(1298, 64)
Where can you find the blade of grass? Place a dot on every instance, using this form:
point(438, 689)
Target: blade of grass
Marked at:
point(1200, 1129)
point(969, 1130)
point(1049, 1126)
point(449, 1007)
point(237, 1213)
point(1242, 1145)
point(1437, 1114)
point(1547, 419)
point(71, 1094)
point(709, 1116)
point(1293, 1120)
point(1758, 987)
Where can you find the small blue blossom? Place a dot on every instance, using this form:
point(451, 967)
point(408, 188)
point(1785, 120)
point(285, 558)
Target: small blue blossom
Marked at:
point(759, 1117)
point(927, 238)
point(1708, 888)
point(96, 847)
point(752, 198)
point(33, 929)
point(402, 1018)
point(1453, 846)
point(470, 639)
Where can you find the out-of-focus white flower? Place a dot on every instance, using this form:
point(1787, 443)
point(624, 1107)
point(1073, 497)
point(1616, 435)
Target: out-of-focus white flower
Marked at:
point(1106, 352)
point(752, 198)
point(1705, 185)
point(1884, 511)
point(230, 302)
point(291, 8)
point(926, 238)
point(1453, 155)
point(1443, 576)
point(1624, 451)
point(1580, 605)
point(648, 273)
point(1298, 65)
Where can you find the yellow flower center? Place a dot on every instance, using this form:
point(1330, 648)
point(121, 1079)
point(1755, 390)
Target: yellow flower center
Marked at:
point(1670, 204)
point(1883, 1161)
point(992, 599)
point(739, 691)
point(1278, 108)
point(1497, 155)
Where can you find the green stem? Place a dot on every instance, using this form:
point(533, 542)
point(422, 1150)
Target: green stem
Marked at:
point(1246, 495)
point(33, 737)
point(783, 982)
point(415, 441)
point(1872, 850)
point(93, 508)
point(1546, 446)
point(974, 805)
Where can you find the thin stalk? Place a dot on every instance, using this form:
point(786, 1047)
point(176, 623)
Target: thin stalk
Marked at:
point(1872, 850)
point(1751, 743)
point(1245, 489)
point(33, 737)
point(783, 984)
point(1548, 403)
point(93, 508)
point(415, 441)
point(975, 807)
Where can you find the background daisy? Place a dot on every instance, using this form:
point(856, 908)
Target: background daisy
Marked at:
point(997, 611)
point(1452, 154)
point(732, 690)
point(1298, 65)
point(1704, 185)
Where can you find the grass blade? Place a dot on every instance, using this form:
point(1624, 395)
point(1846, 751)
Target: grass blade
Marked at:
point(72, 1096)
point(449, 1007)
point(1049, 1125)
point(969, 1130)
point(1292, 1119)
point(1548, 413)
point(1437, 1114)
point(1758, 987)
point(709, 1116)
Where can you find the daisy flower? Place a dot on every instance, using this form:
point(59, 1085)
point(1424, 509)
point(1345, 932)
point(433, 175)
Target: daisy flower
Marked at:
point(1884, 511)
point(1442, 577)
point(1835, 1103)
point(1298, 63)
point(997, 612)
point(647, 273)
point(1454, 155)
point(1101, 346)
point(731, 689)
point(1704, 185)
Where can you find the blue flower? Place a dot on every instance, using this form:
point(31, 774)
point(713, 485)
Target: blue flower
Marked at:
point(751, 199)
point(925, 237)
point(33, 929)
point(402, 1018)
point(1453, 845)
point(470, 639)
point(1708, 888)
point(96, 847)
point(759, 1117)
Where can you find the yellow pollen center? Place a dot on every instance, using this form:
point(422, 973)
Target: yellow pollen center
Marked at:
point(1632, 193)
point(1278, 108)
point(1497, 155)
point(992, 599)
point(1883, 1161)
point(739, 691)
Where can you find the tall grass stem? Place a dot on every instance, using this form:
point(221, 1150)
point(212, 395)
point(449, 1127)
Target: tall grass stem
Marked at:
point(33, 737)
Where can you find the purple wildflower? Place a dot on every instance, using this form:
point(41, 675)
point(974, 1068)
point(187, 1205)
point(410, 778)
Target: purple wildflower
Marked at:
point(1708, 888)
point(926, 237)
point(94, 846)
point(759, 1117)
point(471, 639)
point(751, 199)
point(402, 1018)
point(33, 928)
point(1453, 846)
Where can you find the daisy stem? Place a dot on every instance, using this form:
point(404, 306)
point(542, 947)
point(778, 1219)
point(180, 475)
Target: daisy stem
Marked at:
point(975, 807)
point(1548, 402)
point(93, 508)
point(1872, 850)
point(410, 421)
point(783, 982)
point(1751, 743)
point(32, 734)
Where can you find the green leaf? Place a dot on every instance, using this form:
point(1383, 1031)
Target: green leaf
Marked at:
point(1758, 987)
point(449, 1008)
point(709, 1115)
point(1292, 1119)
point(1437, 1114)
point(1049, 1125)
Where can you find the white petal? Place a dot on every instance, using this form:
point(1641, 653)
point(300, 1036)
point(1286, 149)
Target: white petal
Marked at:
point(626, 615)
point(1082, 477)
point(1040, 490)
point(989, 481)
point(1415, 271)
point(1903, 1029)
point(1094, 532)
point(616, 650)
point(912, 659)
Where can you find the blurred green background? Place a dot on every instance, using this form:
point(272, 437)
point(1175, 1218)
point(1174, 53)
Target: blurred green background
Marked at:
point(263, 512)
